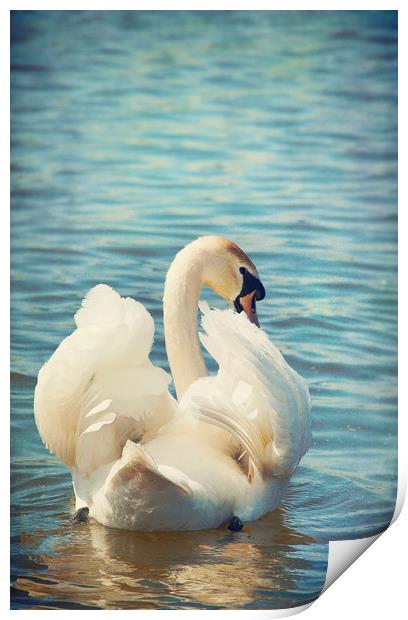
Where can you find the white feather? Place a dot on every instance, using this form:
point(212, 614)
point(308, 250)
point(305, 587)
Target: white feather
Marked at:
point(255, 395)
point(103, 363)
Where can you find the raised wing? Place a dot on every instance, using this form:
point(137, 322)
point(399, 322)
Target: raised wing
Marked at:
point(99, 388)
point(255, 396)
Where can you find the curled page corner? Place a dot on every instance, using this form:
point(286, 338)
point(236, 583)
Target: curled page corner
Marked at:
point(342, 554)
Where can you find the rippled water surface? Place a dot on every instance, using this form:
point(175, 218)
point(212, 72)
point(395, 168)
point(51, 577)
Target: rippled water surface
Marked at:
point(132, 133)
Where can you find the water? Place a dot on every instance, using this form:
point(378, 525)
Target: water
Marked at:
point(132, 133)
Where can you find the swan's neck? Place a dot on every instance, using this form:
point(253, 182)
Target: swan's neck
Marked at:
point(184, 281)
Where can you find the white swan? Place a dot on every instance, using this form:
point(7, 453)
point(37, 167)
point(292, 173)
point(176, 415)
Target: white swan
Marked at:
point(224, 452)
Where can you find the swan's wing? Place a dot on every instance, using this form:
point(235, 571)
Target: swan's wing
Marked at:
point(256, 395)
point(99, 388)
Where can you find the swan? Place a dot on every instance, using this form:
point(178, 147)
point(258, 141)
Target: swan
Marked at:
point(221, 453)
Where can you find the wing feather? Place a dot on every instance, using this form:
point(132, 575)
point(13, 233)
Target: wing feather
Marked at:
point(99, 387)
point(256, 395)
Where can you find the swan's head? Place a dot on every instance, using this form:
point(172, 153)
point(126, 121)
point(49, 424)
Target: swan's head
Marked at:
point(230, 273)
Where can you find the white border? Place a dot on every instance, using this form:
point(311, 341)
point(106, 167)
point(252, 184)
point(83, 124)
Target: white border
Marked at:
point(374, 585)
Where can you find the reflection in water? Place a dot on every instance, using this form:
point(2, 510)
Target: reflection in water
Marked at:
point(105, 568)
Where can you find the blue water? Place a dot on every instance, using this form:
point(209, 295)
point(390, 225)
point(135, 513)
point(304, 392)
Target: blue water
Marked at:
point(135, 132)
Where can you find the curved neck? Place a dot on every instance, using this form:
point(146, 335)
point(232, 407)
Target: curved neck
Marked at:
point(184, 281)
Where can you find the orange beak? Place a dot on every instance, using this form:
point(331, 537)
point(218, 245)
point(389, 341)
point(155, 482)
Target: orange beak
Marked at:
point(248, 304)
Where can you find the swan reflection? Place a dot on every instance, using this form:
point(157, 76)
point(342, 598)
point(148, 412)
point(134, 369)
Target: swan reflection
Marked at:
point(99, 567)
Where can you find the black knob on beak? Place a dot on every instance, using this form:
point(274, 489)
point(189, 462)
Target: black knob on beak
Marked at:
point(250, 283)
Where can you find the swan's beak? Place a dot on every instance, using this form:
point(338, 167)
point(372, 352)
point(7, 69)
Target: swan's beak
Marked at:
point(252, 291)
point(248, 304)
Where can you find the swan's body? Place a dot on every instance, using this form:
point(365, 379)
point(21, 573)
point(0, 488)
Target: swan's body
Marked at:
point(142, 460)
